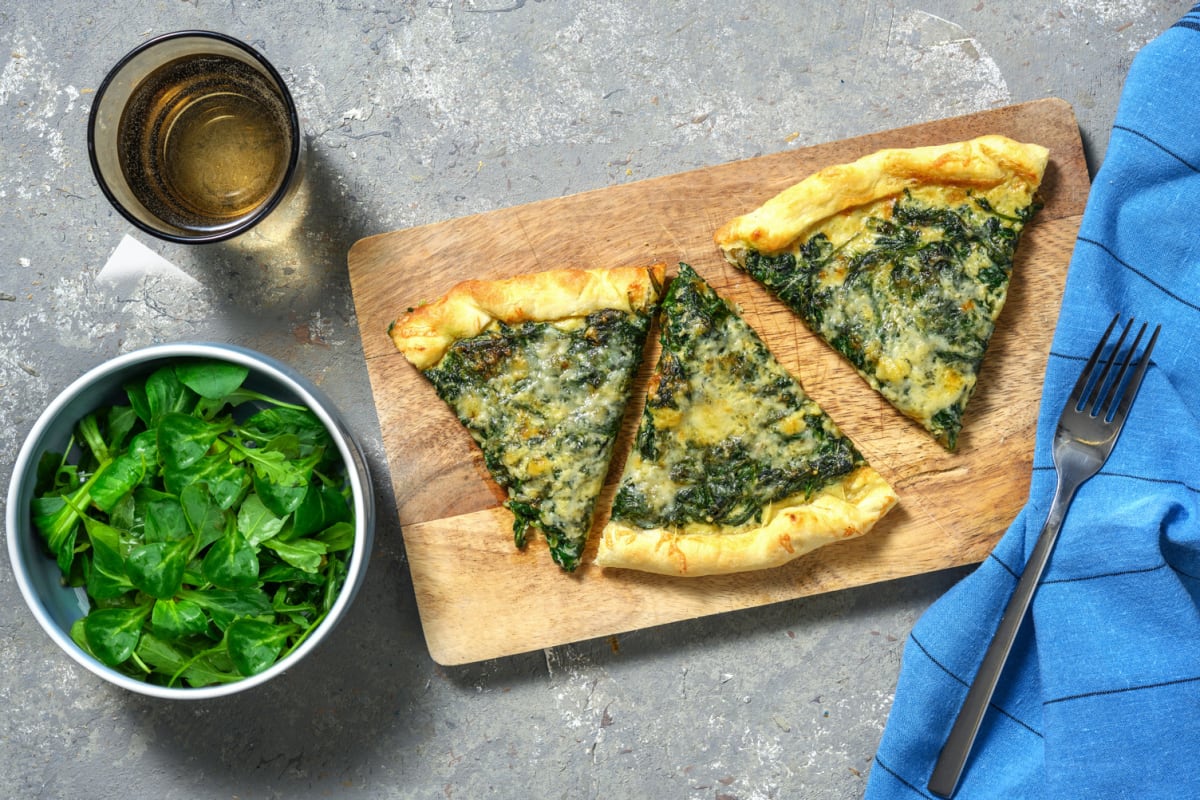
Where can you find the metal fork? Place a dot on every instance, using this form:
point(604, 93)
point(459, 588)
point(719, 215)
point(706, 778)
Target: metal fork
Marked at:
point(1087, 430)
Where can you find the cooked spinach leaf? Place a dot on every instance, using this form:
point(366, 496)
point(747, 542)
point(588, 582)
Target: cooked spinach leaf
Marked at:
point(544, 401)
point(916, 270)
point(690, 465)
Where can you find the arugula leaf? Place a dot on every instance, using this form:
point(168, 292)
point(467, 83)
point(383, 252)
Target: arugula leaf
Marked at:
point(208, 668)
point(162, 657)
point(274, 465)
point(272, 422)
point(226, 605)
point(172, 661)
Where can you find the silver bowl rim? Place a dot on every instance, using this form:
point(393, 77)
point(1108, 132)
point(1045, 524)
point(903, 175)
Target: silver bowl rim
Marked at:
point(357, 473)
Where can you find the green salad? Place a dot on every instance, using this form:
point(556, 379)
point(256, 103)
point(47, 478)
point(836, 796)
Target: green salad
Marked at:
point(209, 525)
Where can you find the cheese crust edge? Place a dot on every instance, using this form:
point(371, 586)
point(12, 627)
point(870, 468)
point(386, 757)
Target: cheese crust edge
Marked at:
point(846, 509)
point(426, 332)
point(982, 163)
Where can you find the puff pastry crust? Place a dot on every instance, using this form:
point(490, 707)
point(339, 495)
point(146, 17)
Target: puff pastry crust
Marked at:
point(981, 164)
point(424, 333)
point(795, 526)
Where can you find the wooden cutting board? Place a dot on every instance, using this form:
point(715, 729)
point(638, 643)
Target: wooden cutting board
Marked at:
point(481, 598)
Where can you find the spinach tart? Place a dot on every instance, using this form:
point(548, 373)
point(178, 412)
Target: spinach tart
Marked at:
point(901, 262)
point(733, 467)
point(539, 369)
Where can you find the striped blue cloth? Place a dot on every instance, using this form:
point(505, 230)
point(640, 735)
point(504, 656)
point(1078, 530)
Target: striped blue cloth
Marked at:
point(1101, 696)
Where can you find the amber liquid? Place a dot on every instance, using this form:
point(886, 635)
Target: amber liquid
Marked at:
point(205, 141)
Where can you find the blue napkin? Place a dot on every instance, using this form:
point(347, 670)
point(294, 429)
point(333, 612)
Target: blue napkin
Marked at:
point(1101, 695)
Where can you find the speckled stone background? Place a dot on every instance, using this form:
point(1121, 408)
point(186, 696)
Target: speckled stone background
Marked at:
point(416, 112)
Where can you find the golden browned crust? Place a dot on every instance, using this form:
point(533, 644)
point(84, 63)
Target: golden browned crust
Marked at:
point(843, 510)
point(468, 309)
point(981, 164)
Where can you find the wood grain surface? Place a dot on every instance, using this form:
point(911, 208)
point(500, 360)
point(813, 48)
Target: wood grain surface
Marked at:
point(481, 598)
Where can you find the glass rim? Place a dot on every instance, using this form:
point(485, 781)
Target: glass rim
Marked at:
point(251, 219)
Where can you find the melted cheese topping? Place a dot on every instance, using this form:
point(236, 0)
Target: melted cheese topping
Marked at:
point(727, 433)
point(901, 261)
point(908, 289)
point(544, 401)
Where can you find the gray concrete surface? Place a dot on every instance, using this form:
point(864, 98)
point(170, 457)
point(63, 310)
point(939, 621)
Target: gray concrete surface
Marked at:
point(417, 112)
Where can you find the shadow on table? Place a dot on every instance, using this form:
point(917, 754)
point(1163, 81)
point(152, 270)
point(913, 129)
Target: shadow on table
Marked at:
point(369, 700)
point(361, 696)
point(292, 268)
point(366, 685)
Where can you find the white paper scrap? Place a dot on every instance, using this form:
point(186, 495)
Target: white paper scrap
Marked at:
point(132, 261)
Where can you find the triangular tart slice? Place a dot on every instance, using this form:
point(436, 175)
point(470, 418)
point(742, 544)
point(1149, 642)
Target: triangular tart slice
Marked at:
point(539, 368)
point(733, 467)
point(901, 262)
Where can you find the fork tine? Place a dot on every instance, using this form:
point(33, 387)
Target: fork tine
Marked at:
point(1135, 380)
point(1076, 400)
point(1111, 392)
point(1096, 396)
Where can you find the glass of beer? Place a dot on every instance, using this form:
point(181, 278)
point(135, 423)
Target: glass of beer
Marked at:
point(194, 137)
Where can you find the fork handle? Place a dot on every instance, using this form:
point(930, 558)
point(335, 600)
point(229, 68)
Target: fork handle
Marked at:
point(953, 757)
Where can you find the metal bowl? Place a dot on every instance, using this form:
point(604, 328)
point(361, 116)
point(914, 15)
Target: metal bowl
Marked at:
point(56, 606)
